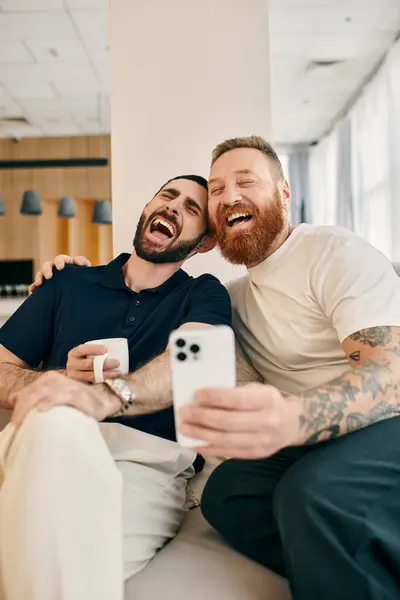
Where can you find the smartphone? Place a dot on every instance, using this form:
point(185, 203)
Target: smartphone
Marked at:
point(200, 358)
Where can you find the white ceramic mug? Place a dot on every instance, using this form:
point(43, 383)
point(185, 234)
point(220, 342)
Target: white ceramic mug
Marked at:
point(117, 349)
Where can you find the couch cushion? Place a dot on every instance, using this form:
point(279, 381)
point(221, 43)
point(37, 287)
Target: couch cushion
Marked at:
point(198, 565)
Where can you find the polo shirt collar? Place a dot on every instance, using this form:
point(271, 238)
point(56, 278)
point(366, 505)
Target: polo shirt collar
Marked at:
point(113, 277)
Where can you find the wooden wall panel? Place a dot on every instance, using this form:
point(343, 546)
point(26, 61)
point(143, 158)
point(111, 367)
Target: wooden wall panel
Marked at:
point(42, 237)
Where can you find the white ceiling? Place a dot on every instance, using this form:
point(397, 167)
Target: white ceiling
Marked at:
point(359, 32)
point(54, 63)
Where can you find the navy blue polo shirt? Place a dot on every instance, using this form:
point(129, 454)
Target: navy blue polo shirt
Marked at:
point(80, 304)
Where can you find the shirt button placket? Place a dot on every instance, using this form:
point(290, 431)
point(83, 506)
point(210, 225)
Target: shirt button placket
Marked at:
point(131, 319)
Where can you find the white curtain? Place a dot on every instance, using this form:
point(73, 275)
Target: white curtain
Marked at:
point(371, 164)
point(355, 170)
point(393, 82)
point(323, 161)
point(345, 206)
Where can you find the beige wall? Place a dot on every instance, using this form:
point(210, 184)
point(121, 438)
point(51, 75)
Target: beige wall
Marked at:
point(184, 76)
point(42, 237)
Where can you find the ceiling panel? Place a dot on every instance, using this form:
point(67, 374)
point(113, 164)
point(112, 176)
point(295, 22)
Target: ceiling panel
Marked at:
point(327, 19)
point(87, 4)
point(29, 25)
point(14, 52)
point(356, 32)
point(347, 46)
point(54, 62)
point(22, 131)
point(87, 107)
point(91, 24)
point(65, 89)
point(8, 107)
point(34, 5)
point(53, 50)
point(71, 73)
point(31, 91)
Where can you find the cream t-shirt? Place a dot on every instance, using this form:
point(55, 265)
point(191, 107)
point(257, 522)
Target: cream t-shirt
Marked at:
point(293, 310)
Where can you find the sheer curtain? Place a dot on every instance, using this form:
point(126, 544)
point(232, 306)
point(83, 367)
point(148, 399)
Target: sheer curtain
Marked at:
point(393, 83)
point(355, 170)
point(323, 164)
point(345, 205)
point(371, 165)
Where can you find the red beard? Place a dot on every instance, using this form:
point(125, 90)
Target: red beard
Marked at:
point(249, 247)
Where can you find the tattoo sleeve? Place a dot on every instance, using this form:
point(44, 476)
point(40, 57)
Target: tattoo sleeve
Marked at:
point(366, 394)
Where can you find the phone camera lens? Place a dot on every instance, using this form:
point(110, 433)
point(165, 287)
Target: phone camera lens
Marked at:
point(181, 356)
point(180, 343)
point(195, 348)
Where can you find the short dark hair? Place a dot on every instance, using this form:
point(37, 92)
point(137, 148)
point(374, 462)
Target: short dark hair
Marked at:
point(254, 142)
point(196, 178)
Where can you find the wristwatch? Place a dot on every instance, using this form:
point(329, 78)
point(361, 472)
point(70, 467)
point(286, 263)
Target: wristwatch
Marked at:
point(121, 389)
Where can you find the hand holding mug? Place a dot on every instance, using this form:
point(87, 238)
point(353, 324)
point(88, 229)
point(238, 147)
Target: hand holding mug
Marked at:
point(98, 360)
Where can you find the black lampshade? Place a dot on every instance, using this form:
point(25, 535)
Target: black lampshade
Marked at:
point(102, 214)
point(67, 207)
point(31, 203)
point(2, 209)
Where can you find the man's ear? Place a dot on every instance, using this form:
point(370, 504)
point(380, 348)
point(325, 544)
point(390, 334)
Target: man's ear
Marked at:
point(207, 243)
point(286, 194)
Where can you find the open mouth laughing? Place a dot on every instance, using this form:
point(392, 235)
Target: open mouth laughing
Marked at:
point(238, 218)
point(162, 229)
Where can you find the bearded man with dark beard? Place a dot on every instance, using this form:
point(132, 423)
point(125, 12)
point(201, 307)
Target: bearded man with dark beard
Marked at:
point(85, 504)
point(312, 486)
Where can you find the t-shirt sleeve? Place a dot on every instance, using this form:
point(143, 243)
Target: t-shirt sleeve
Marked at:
point(29, 332)
point(357, 287)
point(210, 303)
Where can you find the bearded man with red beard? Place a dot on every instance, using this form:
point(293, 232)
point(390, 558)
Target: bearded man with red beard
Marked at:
point(312, 486)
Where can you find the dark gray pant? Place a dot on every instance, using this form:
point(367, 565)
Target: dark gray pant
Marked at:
point(327, 517)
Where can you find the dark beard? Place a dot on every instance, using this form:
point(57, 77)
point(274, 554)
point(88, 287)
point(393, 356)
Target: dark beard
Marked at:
point(250, 247)
point(173, 254)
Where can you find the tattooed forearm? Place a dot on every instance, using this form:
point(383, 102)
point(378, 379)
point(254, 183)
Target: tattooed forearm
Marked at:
point(382, 411)
point(13, 379)
point(374, 336)
point(368, 393)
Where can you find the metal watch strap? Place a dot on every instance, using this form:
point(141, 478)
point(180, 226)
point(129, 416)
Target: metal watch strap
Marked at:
point(120, 388)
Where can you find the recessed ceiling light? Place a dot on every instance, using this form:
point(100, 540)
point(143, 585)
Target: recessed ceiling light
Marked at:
point(322, 64)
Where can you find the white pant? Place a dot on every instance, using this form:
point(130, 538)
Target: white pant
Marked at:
point(84, 506)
